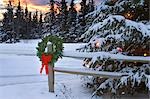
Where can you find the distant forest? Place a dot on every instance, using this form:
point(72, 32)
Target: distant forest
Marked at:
point(68, 23)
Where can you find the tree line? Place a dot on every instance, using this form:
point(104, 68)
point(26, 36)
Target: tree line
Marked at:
point(64, 21)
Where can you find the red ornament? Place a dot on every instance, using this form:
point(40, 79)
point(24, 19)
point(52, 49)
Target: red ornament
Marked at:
point(119, 49)
point(45, 61)
point(97, 44)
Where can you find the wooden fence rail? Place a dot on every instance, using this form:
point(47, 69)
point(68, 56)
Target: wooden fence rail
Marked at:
point(89, 72)
point(109, 56)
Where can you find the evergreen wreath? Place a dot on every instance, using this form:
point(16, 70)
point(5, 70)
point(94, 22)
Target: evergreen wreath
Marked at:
point(57, 44)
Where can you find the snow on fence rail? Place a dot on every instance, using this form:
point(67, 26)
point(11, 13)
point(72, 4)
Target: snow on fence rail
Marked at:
point(89, 72)
point(30, 50)
point(101, 55)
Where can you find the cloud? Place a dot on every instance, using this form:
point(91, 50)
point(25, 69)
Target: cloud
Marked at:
point(45, 2)
point(41, 5)
point(39, 2)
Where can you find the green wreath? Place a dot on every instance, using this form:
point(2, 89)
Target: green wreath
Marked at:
point(57, 47)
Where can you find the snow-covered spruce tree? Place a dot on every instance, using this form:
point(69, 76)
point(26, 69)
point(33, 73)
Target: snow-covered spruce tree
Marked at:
point(64, 28)
point(117, 30)
point(8, 24)
point(51, 24)
point(81, 18)
point(131, 9)
point(34, 30)
point(40, 25)
point(72, 22)
point(8, 18)
point(90, 6)
point(19, 22)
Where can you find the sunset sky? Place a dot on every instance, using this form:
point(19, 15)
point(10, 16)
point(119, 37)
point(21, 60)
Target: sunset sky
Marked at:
point(40, 5)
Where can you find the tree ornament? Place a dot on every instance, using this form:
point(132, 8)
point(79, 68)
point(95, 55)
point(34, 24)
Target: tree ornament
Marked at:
point(119, 49)
point(145, 54)
point(129, 15)
point(97, 44)
point(49, 57)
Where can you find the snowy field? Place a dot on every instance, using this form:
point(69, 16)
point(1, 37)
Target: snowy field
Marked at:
point(20, 77)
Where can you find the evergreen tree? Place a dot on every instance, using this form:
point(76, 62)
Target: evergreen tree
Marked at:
point(52, 21)
point(8, 23)
point(90, 6)
point(34, 30)
point(21, 25)
point(26, 12)
point(27, 25)
point(40, 25)
point(51, 16)
point(30, 16)
point(115, 30)
point(10, 15)
point(35, 19)
point(83, 12)
point(66, 23)
point(41, 18)
point(81, 23)
point(19, 22)
point(64, 18)
point(72, 22)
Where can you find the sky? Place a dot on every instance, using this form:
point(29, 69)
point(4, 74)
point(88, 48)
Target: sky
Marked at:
point(34, 4)
point(41, 5)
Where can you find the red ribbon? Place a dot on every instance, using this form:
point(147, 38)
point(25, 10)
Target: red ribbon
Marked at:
point(45, 61)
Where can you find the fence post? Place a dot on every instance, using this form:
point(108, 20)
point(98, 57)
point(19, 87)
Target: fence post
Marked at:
point(51, 71)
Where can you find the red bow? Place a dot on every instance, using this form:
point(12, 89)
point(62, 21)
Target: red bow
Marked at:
point(45, 61)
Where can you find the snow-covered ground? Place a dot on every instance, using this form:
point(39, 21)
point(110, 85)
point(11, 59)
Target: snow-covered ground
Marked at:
point(20, 77)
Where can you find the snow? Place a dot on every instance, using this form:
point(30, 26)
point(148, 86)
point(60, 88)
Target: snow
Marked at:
point(86, 71)
point(139, 26)
point(29, 47)
point(121, 28)
point(20, 77)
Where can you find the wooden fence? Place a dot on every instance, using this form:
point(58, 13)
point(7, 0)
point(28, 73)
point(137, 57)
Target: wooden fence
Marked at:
point(52, 68)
